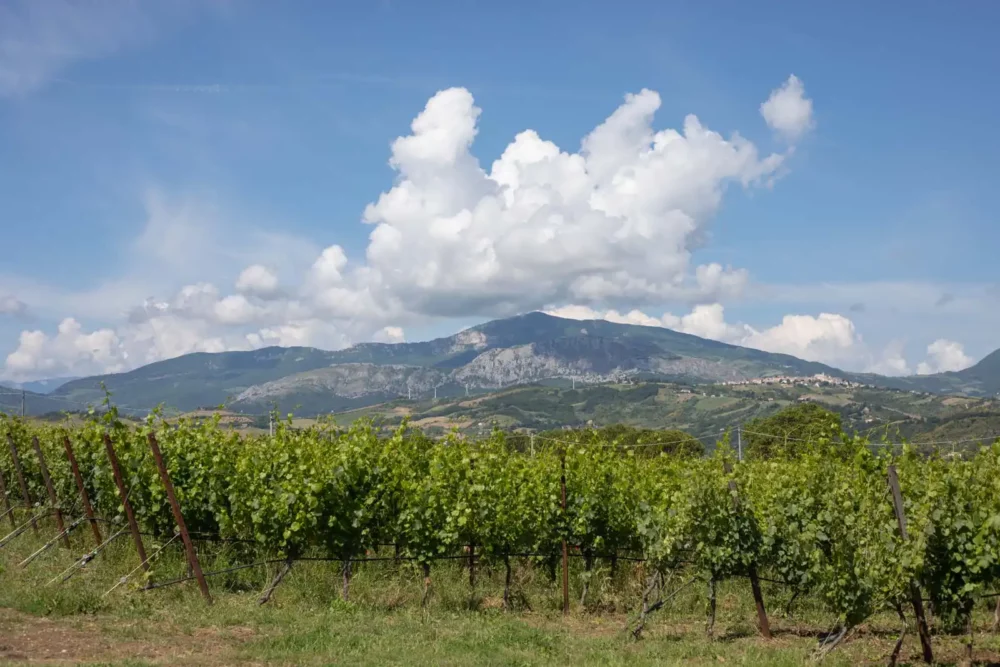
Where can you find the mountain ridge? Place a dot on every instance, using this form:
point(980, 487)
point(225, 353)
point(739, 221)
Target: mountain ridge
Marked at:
point(34, 403)
point(534, 347)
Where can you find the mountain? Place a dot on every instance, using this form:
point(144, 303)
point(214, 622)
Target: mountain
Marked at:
point(986, 374)
point(34, 403)
point(42, 386)
point(982, 379)
point(531, 348)
point(196, 380)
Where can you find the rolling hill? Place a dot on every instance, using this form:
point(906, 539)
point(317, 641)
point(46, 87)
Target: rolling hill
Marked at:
point(701, 410)
point(982, 379)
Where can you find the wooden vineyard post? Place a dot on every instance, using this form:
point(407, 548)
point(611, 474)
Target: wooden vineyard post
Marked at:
point(51, 490)
point(565, 547)
point(179, 518)
point(472, 565)
point(7, 509)
point(472, 544)
point(88, 509)
point(918, 605)
point(20, 478)
point(126, 505)
point(758, 595)
point(285, 569)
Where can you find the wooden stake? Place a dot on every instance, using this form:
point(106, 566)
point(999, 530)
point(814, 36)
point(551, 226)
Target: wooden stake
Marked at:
point(472, 544)
point(427, 585)
point(126, 505)
point(179, 518)
point(51, 490)
point(710, 623)
point(758, 596)
point(20, 479)
point(918, 605)
point(472, 565)
point(88, 509)
point(565, 547)
point(285, 569)
point(8, 510)
point(506, 581)
point(345, 571)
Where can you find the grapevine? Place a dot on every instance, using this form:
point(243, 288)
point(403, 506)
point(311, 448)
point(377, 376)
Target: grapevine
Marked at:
point(818, 518)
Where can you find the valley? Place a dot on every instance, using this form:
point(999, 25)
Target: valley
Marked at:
point(701, 410)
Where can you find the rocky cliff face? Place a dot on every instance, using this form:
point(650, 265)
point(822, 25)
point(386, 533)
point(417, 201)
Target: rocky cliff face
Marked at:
point(349, 381)
point(587, 359)
point(595, 358)
point(499, 368)
point(702, 370)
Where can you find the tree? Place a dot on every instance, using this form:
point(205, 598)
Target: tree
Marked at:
point(791, 431)
point(646, 441)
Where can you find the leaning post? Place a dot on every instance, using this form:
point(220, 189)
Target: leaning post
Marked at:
point(88, 509)
point(8, 510)
point(179, 518)
point(19, 471)
point(51, 490)
point(126, 505)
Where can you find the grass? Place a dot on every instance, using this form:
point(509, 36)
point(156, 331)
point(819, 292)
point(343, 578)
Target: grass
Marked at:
point(307, 622)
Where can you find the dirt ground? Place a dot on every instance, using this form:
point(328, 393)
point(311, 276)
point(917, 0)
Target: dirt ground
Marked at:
point(64, 641)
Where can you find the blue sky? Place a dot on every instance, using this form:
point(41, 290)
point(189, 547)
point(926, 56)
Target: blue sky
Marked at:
point(151, 152)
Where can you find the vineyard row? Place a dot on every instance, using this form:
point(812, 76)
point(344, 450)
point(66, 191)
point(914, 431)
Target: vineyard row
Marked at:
point(862, 531)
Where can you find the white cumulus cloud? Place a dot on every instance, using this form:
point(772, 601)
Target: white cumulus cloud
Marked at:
point(891, 362)
point(257, 280)
point(614, 222)
point(309, 332)
point(576, 312)
point(944, 355)
point(828, 338)
point(788, 110)
point(390, 335)
point(69, 350)
point(707, 321)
